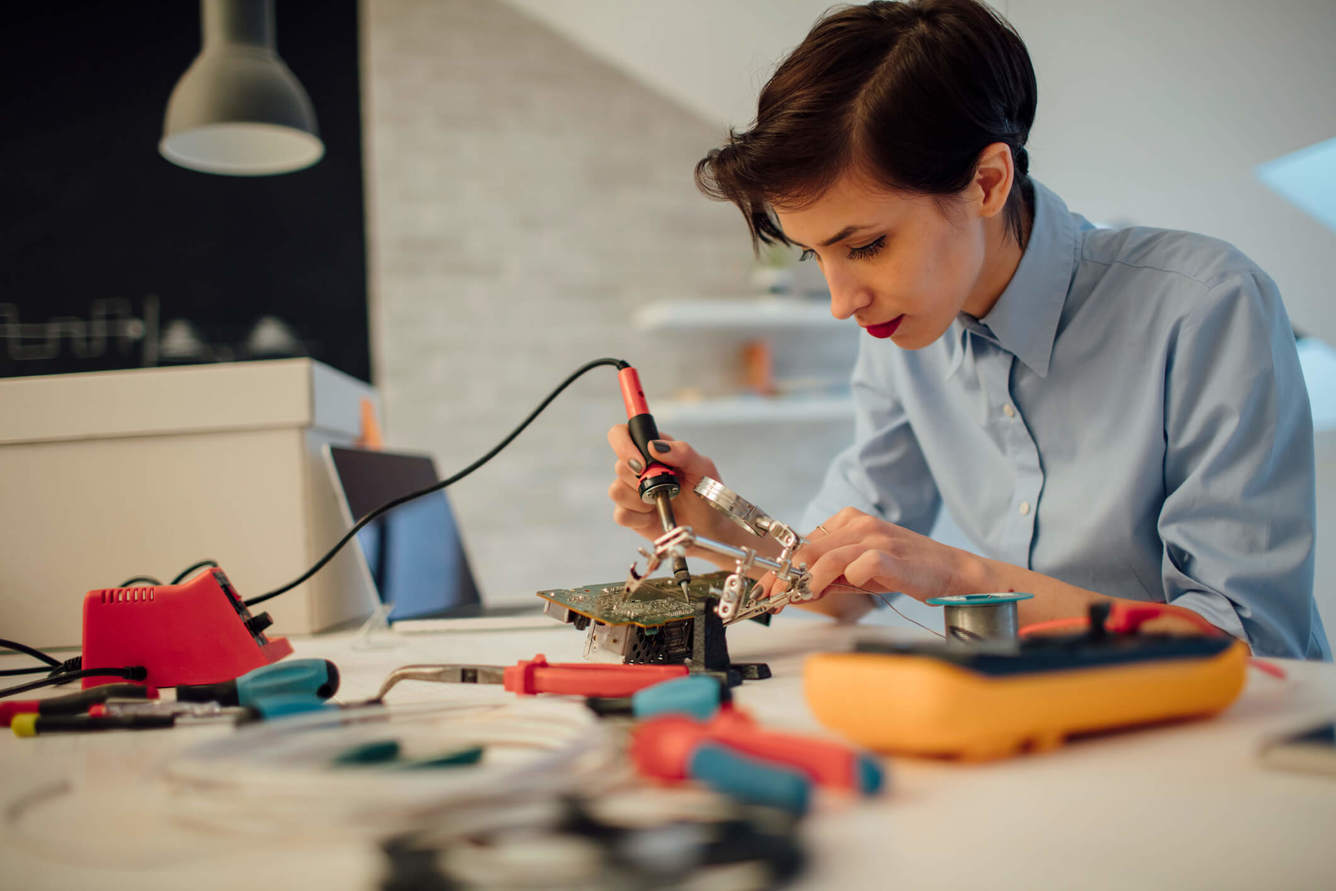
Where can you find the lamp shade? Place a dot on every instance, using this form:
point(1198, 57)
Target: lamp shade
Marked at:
point(238, 109)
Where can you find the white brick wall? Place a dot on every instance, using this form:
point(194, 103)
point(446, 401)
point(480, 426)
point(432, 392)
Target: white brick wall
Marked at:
point(523, 200)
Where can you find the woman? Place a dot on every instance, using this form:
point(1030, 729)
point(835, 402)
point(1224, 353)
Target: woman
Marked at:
point(1106, 413)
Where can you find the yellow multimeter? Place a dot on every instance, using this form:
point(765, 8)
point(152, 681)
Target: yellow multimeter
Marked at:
point(994, 699)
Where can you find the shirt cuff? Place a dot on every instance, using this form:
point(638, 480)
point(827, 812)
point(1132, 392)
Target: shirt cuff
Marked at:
point(1214, 609)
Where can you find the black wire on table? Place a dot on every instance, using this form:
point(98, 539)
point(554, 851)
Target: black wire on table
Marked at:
point(357, 527)
point(52, 666)
point(132, 673)
point(36, 669)
point(31, 651)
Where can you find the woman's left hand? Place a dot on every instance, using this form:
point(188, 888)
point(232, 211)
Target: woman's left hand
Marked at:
point(877, 556)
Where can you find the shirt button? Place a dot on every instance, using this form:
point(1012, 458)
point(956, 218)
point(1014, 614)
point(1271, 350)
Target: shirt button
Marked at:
point(1008, 410)
point(1024, 508)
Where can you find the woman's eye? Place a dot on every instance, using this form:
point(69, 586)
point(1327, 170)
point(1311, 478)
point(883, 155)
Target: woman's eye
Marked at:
point(871, 249)
point(806, 255)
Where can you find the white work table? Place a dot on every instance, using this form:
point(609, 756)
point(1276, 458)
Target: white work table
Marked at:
point(1181, 806)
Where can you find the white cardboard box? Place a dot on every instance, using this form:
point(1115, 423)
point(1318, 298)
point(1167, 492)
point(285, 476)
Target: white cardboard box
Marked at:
point(110, 475)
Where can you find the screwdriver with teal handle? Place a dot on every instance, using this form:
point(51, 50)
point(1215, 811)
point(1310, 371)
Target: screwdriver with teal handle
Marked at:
point(697, 695)
point(749, 779)
point(317, 678)
point(739, 775)
point(270, 691)
point(735, 774)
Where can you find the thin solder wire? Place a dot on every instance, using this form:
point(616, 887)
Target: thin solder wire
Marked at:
point(886, 600)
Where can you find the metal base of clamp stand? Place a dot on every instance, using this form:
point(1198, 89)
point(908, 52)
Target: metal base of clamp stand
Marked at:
point(709, 649)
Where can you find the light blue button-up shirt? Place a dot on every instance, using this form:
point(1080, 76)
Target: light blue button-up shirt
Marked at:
point(1129, 417)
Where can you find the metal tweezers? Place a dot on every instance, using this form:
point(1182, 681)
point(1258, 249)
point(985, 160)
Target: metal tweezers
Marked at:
point(443, 674)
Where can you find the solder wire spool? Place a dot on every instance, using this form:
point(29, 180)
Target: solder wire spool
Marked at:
point(969, 617)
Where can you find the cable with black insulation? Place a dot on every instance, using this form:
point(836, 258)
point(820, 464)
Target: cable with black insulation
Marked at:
point(50, 660)
point(150, 580)
point(389, 505)
point(51, 665)
point(130, 673)
point(191, 568)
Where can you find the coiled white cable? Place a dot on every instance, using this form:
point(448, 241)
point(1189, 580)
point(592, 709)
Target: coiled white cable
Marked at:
point(280, 778)
point(275, 787)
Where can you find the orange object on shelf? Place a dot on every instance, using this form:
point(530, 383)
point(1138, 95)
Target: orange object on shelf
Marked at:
point(758, 364)
point(370, 437)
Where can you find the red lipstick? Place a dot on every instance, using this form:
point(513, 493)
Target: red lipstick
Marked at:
point(885, 329)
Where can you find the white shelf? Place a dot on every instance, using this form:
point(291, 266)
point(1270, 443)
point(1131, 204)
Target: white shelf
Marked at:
point(742, 315)
point(752, 409)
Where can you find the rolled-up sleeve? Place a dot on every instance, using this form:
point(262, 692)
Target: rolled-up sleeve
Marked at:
point(1238, 517)
point(883, 473)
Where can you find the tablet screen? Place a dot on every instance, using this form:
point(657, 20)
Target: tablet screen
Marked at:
point(414, 552)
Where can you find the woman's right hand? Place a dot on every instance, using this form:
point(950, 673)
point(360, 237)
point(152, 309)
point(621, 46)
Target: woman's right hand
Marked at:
point(688, 508)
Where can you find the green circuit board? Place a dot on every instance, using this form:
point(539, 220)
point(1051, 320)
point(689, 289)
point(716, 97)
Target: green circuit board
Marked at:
point(658, 602)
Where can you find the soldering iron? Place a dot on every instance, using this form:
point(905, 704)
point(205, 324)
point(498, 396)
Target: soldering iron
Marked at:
point(658, 482)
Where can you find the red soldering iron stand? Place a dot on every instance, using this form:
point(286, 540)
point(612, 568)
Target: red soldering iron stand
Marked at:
point(197, 632)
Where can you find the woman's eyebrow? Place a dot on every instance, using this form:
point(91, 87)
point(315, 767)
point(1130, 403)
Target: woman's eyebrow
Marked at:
point(838, 236)
point(845, 233)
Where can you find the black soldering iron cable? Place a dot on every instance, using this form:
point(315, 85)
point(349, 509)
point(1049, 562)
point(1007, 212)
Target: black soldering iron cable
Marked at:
point(30, 651)
point(132, 673)
point(140, 580)
point(389, 505)
point(191, 568)
point(50, 664)
point(36, 669)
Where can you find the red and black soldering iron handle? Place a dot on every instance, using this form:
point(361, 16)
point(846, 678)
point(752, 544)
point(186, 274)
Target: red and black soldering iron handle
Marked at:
point(659, 483)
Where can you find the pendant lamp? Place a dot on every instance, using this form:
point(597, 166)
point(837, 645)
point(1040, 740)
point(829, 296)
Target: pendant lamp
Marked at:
point(238, 110)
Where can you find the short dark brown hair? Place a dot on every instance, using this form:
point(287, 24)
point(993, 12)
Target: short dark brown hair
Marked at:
point(908, 93)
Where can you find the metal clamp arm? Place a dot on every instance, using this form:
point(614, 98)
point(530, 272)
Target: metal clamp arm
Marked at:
point(741, 597)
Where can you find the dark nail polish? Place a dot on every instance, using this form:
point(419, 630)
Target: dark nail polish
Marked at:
point(661, 446)
point(635, 465)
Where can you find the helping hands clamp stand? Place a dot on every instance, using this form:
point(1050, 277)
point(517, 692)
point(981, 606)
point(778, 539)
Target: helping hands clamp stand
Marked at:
point(741, 597)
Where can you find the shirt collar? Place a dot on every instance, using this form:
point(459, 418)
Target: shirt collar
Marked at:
point(1024, 320)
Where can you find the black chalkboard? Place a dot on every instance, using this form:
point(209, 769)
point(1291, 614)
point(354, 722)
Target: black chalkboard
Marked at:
point(109, 253)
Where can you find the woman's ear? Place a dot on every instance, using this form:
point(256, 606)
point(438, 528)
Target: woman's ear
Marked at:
point(993, 175)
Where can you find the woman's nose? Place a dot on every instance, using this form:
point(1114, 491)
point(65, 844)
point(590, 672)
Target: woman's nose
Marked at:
point(847, 295)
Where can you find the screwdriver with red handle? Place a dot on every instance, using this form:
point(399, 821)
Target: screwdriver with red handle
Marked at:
point(537, 675)
point(659, 483)
point(664, 747)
